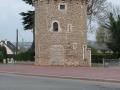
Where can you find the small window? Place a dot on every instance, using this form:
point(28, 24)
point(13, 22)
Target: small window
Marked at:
point(62, 7)
point(55, 27)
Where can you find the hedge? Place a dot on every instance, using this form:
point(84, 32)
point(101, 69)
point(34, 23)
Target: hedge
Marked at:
point(98, 58)
point(25, 56)
point(3, 53)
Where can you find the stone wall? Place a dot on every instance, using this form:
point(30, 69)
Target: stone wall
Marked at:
point(63, 47)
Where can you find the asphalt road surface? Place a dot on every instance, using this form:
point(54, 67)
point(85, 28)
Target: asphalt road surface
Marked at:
point(20, 82)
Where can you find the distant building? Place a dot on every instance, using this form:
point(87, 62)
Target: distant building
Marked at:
point(61, 33)
point(100, 47)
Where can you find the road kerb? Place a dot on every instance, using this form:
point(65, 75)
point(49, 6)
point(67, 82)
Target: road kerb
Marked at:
point(64, 77)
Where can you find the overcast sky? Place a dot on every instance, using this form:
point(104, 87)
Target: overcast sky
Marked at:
point(115, 1)
point(10, 20)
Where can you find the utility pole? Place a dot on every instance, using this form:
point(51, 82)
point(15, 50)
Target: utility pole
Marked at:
point(16, 42)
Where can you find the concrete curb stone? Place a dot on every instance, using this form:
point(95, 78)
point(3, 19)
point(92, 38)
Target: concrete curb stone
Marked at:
point(64, 77)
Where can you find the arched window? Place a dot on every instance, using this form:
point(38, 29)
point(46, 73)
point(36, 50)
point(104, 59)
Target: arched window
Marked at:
point(55, 27)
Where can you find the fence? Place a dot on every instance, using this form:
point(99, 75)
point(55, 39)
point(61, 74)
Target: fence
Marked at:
point(111, 62)
point(106, 62)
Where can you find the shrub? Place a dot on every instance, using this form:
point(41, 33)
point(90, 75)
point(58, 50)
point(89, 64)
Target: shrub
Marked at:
point(25, 56)
point(3, 53)
point(93, 50)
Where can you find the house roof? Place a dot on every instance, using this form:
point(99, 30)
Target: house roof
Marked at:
point(9, 45)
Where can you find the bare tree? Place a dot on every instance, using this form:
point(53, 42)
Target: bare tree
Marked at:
point(104, 17)
point(95, 7)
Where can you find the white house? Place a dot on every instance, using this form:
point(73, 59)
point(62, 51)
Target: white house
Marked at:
point(10, 48)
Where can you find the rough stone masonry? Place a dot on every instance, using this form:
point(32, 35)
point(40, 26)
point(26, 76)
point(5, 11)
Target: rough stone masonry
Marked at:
point(61, 33)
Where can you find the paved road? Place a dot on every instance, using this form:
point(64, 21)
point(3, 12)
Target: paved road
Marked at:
point(19, 82)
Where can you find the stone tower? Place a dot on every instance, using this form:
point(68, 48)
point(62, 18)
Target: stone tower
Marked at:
point(61, 33)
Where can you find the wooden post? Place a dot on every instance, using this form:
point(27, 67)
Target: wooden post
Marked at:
point(103, 62)
point(16, 43)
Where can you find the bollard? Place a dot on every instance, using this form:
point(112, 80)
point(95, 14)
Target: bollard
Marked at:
point(4, 61)
point(12, 60)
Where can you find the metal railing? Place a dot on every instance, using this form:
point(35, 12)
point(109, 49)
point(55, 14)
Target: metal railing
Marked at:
point(107, 63)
